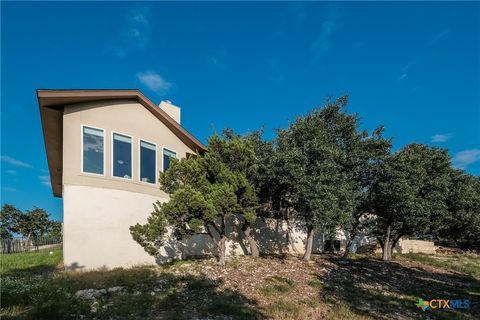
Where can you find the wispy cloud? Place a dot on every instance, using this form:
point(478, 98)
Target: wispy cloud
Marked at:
point(439, 36)
point(154, 82)
point(45, 180)
point(323, 42)
point(466, 157)
point(12, 172)
point(441, 137)
point(215, 62)
point(15, 162)
point(9, 189)
point(402, 77)
point(136, 33)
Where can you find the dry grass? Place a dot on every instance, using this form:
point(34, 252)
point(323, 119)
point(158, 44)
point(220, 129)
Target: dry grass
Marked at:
point(270, 287)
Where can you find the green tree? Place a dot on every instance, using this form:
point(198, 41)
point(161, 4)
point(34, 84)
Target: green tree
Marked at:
point(9, 218)
point(365, 154)
point(204, 192)
point(238, 154)
point(462, 225)
point(34, 223)
point(409, 196)
point(310, 156)
point(55, 229)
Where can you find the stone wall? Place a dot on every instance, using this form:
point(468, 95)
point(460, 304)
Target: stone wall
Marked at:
point(415, 246)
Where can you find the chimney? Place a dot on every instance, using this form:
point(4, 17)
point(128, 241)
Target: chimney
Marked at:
point(172, 110)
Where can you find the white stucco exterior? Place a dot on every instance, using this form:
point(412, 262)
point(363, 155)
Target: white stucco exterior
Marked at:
point(96, 227)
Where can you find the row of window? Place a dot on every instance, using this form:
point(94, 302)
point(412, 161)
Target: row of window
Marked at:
point(93, 149)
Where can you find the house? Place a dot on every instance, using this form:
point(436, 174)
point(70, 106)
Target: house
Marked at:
point(105, 149)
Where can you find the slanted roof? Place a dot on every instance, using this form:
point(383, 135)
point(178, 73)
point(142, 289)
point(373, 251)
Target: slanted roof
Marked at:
point(52, 103)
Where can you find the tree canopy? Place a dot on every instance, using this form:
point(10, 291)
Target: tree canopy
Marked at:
point(409, 196)
point(204, 191)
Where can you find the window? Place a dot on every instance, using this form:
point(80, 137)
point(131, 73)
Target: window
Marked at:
point(92, 145)
point(122, 156)
point(147, 162)
point(167, 155)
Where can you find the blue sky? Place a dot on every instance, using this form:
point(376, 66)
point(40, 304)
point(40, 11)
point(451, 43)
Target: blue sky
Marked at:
point(413, 67)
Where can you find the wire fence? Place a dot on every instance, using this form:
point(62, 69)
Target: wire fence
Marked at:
point(33, 244)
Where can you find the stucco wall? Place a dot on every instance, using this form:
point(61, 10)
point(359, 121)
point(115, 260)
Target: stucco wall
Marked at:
point(96, 227)
point(124, 117)
point(96, 232)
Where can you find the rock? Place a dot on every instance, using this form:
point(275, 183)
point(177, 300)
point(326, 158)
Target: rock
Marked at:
point(114, 290)
point(90, 294)
point(94, 306)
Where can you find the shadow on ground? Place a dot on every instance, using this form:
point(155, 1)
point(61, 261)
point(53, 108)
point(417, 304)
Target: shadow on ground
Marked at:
point(382, 290)
point(144, 293)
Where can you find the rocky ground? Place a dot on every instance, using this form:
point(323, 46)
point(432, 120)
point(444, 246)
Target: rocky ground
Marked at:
point(281, 287)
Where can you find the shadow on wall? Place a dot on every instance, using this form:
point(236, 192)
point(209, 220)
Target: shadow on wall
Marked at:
point(75, 267)
point(273, 236)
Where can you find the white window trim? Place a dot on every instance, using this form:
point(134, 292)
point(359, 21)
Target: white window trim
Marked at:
point(171, 150)
point(140, 163)
point(131, 155)
point(81, 151)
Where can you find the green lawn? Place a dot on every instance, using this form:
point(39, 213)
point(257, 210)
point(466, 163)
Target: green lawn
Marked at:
point(30, 262)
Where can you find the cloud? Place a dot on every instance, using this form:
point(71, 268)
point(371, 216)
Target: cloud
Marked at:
point(15, 162)
point(12, 172)
point(441, 137)
point(439, 36)
point(466, 157)
point(154, 82)
point(403, 76)
point(9, 189)
point(215, 62)
point(136, 33)
point(45, 180)
point(323, 43)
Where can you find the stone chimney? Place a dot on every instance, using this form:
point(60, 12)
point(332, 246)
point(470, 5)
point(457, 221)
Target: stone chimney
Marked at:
point(172, 110)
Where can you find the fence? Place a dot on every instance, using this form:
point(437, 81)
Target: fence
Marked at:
point(34, 244)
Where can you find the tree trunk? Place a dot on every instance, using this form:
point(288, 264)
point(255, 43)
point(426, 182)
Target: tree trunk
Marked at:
point(392, 246)
point(348, 245)
point(386, 244)
point(351, 237)
point(308, 246)
point(221, 251)
point(247, 231)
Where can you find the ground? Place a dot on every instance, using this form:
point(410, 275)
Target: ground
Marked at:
point(283, 287)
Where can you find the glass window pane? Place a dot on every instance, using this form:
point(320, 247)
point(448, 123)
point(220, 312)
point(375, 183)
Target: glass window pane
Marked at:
point(122, 156)
point(167, 154)
point(92, 150)
point(147, 162)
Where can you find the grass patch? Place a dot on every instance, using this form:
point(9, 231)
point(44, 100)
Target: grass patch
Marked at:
point(466, 264)
point(317, 284)
point(284, 309)
point(342, 311)
point(28, 263)
point(277, 285)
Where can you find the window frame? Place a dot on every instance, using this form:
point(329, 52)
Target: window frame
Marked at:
point(140, 163)
point(82, 126)
point(163, 155)
point(131, 155)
